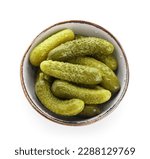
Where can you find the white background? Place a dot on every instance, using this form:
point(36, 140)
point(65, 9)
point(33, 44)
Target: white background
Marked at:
point(22, 126)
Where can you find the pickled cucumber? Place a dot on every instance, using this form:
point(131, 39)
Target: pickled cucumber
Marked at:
point(90, 111)
point(110, 80)
point(62, 107)
point(81, 47)
point(66, 90)
point(109, 60)
point(40, 52)
point(71, 72)
point(77, 36)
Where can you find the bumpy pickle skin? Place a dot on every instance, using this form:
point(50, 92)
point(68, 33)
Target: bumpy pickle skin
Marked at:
point(109, 60)
point(61, 107)
point(81, 47)
point(90, 111)
point(110, 80)
point(66, 90)
point(71, 72)
point(40, 52)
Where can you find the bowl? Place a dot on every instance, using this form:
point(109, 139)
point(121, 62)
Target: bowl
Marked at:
point(27, 71)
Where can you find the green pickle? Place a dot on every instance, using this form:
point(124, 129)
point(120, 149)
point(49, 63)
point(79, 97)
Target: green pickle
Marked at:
point(109, 60)
point(110, 80)
point(66, 90)
point(90, 111)
point(81, 47)
point(40, 52)
point(71, 72)
point(77, 36)
point(61, 107)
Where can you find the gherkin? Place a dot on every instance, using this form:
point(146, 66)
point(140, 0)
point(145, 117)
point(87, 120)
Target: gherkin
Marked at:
point(81, 47)
point(109, 79)
point(61, 107)
point(71, 72)
point(66, 90)
point(40, 52)
point(90, 111)
point(109, 60)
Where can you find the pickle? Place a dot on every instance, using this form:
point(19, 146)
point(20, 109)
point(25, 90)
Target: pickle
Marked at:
point(61, 107)
point(110, 80)
point(40, 52)
point(71, 72)
point(90, 111)
point(66, 90)
point(109, 60)
point(77, 36)
point(81, 47)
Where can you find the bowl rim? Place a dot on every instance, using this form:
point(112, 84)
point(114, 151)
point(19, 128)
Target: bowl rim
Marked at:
point(86, 121)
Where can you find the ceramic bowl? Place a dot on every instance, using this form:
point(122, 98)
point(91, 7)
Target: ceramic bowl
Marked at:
point(27, 71)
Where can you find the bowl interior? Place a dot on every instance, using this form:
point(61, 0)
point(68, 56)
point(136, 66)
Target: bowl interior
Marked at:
point(83, 28)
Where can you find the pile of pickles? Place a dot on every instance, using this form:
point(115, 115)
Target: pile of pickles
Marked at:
point(76, 75)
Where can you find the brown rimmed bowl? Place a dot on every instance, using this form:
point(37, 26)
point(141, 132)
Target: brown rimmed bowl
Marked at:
point(27, 71)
